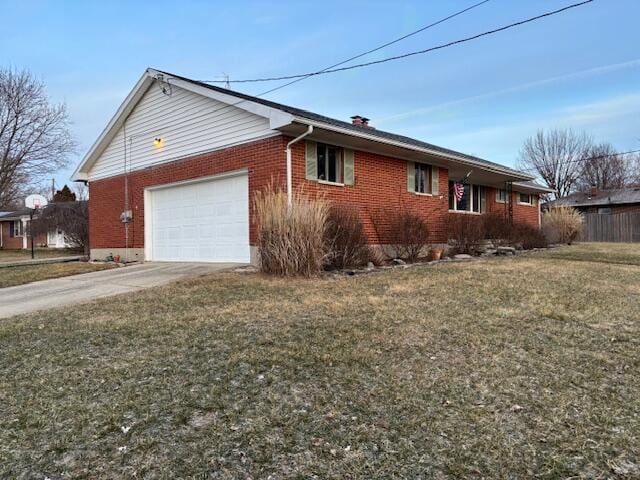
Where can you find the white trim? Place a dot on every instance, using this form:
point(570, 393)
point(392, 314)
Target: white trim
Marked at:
point(327, 182)
point(472, 186)
point(217, 176)
point(465, 212)
point(148, 227)
point(112, 127)
point(148, 203)
point(529, 203)
point(424, 194)
point(409, 146)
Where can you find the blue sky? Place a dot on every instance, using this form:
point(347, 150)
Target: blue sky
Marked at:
point(580, 69)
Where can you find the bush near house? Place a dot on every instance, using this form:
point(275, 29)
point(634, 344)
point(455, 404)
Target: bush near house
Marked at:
point(409, 233)
point(345, 238)
point(500, 232)
point(528, 236)
point(291, 240)
point(497, 229)
point(562, 224)
point(466, 233)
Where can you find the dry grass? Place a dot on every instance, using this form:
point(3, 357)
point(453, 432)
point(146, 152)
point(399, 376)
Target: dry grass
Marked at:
point(16, 255)
point(12, 276)
point(617, 253)
point(291, 237)
point(506, 368)
point(562, 224)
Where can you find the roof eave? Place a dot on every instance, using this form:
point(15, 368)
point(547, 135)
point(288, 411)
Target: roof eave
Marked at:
point(374, 138)
point(81, 173)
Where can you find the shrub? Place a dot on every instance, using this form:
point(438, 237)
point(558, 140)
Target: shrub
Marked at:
point(345, 239)
point(465, 232)
point(562, 224)
point(497, 229)
point(528, 236)
point(409, 234)
point(290, 239)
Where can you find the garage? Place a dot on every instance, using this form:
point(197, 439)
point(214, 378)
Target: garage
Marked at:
point(201, 221)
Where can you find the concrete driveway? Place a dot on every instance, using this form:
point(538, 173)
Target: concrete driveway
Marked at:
point(58, 292)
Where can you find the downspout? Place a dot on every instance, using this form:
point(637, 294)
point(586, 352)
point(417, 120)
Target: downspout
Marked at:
point(289, 179)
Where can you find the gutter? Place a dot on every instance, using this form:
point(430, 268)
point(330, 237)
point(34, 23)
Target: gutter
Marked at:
point(467, 161)
point(289, 179)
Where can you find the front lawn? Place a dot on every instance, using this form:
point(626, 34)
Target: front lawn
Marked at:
point(17, 255)
point(619, 253)
point(505, 368)
point(12, 276)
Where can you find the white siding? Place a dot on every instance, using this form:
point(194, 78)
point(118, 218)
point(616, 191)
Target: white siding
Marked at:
point(188, 123)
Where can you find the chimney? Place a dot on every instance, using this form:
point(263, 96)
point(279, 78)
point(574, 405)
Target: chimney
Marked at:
point(594, 191)
point(359, 121)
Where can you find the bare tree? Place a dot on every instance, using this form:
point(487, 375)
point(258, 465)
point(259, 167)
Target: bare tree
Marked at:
point(605, 169)
point(555, 157)
point(70, 217)
point(81, 190)
point(34, 135)
point(634, 168)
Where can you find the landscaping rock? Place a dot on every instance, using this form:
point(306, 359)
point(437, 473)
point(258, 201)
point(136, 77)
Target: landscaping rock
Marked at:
point(399, 261)
point(462, 256)
point(370, 266)
point(506, 251)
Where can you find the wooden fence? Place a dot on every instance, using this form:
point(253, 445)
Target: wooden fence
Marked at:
point(616, 227)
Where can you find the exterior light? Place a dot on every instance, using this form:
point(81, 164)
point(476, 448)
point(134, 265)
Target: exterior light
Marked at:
point(158, 142)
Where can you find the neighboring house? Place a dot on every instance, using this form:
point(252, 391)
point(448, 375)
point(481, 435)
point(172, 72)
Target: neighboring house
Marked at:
point(604, 202)
point(14, 231)
point(181, 160)
point(14, 228)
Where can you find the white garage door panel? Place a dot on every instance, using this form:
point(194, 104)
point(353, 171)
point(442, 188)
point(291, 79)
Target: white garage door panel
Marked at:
point(201, 222)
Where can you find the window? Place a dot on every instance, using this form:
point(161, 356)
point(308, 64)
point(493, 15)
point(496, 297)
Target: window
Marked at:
point(604, 210)
point(423, 178)
point(16, 229)
point(524, 198)
point(330, 163)
point(501, 195)
point(473, 199)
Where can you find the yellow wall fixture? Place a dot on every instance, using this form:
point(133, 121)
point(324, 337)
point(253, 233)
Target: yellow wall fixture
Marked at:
point(158, 142)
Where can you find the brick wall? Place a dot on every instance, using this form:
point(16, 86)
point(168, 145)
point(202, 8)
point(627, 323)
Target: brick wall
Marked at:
point(521, 213)
point(8, 242)
point(265, 160)
point(379, 191)
point(12, 243)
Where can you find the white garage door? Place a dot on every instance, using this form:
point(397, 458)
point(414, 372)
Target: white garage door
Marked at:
point(206, 221)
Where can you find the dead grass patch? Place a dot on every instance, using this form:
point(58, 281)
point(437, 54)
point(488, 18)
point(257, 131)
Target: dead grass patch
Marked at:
point(523, 367)
point(12, 276)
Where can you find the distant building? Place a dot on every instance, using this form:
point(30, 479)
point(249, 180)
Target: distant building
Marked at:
point(604, 202)
point(14, 228)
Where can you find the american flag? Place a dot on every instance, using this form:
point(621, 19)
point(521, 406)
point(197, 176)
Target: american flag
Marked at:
point(458, 191)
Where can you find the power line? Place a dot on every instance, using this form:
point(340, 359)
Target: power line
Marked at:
point(410, 54)
point(415, 32)
point(331, 70)
point(226, 80)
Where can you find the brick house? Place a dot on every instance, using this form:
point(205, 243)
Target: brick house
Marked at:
point(14, 227)
point(172, 176)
